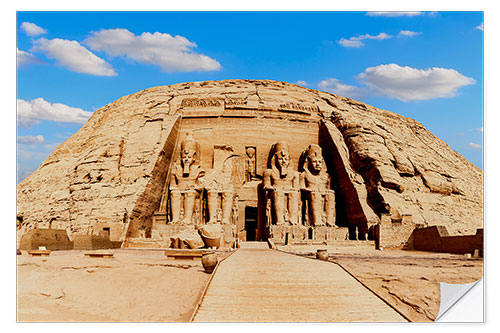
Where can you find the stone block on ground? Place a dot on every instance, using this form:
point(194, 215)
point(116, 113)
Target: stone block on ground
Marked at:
point(213, 235)
point(51, 239)
point(187, 239)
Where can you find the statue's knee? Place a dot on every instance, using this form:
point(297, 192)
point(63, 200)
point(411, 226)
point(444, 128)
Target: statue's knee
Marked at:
point(278, 195)
point(315, 196)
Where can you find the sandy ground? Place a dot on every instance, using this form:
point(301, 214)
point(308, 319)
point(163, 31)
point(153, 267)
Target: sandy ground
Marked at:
point(134, 286)
point(144, 286)
point(408, 280)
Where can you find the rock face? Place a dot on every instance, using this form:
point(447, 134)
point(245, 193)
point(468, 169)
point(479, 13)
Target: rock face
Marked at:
point(114, 171)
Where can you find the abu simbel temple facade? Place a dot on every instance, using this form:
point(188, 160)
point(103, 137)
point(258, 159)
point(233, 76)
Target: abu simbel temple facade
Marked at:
point(259, 160)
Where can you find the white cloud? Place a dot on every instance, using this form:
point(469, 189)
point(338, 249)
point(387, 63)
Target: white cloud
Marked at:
point(350, 43)
point(474, 145)
point(357, 40)
point(72, 55)
point(31, 29)
point(480, 130)
point(30, 157)
point(31, 139)
point(32, 112)
point(480, 27)
point(408, 33)
point(394, 14)
point(51, 146)
point(411, 84)
point(172, 54)
point(337, 87)
point(31, 154)
point(25, 58)
point(301, 83)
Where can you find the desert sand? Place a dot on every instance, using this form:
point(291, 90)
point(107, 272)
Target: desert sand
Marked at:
point(134, 286)
point(144, 286)
point(407, 280)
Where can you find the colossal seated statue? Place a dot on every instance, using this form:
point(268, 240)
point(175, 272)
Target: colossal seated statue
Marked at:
point(186, 182)
point(219, 186)
point(281, 183)
point(315, 182)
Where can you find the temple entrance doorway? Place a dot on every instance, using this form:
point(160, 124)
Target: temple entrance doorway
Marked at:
point(310, 233)
point(251, 223)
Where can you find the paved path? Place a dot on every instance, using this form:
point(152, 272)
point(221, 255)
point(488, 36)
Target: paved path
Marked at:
point(257, 284)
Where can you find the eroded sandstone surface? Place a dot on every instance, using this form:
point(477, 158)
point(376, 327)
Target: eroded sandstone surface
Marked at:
point(112, 173)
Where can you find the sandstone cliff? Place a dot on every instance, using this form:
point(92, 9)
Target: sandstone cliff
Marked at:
point(113, 170)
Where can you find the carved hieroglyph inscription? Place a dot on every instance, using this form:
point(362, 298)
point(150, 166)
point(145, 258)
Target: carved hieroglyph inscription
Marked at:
point(235, 102)
point(296, 107)
point(251, 102)
point(240, 102)
point(209, 102)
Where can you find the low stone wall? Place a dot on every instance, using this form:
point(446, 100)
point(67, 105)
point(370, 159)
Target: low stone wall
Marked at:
point(393, 231)
point(57, 239)
point(93, 242)
point(278, 233)
point(437, 239)
point(52, 239)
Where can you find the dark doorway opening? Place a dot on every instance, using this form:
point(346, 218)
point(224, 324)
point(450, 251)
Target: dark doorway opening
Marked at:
point(106, 231)
point(251, 223)
point(310, 233)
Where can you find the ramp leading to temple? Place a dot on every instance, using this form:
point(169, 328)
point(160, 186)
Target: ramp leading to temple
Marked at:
point(257, 284)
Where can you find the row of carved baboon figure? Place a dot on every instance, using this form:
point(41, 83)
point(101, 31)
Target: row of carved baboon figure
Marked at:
point(282, 184)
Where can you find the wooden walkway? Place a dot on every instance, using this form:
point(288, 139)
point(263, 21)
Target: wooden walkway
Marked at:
point(257, 284)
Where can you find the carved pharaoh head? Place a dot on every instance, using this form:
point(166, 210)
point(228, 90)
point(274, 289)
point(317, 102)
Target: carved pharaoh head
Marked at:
point(250, 152)
point(188, 152)
point(282, 156)
point(314, 159)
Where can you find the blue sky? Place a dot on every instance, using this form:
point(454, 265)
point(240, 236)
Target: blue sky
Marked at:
point(423, 65)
